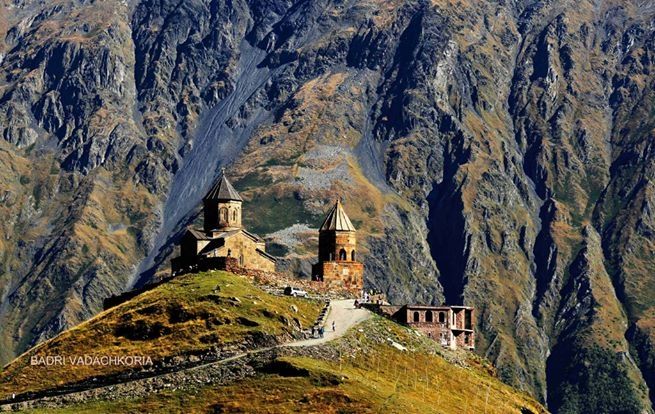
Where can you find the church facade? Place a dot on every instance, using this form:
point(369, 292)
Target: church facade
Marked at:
point(222, 237)
point(337, 252)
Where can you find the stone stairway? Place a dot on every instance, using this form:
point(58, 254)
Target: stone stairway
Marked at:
point(320, 321)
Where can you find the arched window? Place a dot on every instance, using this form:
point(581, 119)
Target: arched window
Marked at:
point(343, 255)
point(229, 252)
point(224, 214)
point(442, 317)
point(416, 317)
point(428, 316)
point(234, 215)
point(241, 260)
point(352, 255)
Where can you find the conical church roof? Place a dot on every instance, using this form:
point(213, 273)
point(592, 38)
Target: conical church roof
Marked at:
point(337, 219)
point(222, 191)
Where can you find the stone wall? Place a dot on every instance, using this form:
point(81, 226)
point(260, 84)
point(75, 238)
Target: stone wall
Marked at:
point(332, 242)
point(338, 274)
point(464, 339)
point(183, 265)
point(463, 318)
point(445, 324)
point(237, 249)
point(276, 282)
point(252, 258)
point(245, 250)
point(115, 300)
point(221, 215)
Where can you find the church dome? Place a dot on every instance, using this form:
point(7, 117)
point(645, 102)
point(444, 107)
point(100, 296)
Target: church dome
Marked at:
point(222, 191)
point(337, 220)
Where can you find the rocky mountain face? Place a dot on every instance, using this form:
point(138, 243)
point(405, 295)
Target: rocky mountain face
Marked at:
point(498, 154)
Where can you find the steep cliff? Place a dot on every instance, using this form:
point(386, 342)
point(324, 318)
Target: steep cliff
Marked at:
point(498, 154)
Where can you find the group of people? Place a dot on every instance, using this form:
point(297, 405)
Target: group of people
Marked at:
point(320, 330)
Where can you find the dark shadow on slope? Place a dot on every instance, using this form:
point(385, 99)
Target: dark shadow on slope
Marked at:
point(399, 77)
point(447, 236)
point(641, 347)
point(588, 380)
point(545, 255)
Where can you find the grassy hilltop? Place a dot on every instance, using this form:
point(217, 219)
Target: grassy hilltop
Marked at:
point(362, 372)
point(183, 317)
point(370, 377)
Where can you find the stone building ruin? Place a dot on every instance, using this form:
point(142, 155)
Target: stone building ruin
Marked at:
point(451, 326)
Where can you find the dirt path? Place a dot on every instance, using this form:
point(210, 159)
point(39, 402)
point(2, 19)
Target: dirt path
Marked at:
point(342, 313)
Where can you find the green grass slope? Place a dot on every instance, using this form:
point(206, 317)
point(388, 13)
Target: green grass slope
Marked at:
point(187, 316)
point(378, 366)
point(359, 373)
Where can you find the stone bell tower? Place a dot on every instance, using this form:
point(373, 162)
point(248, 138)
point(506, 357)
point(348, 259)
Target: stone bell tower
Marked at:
point(337, 252)
point(222, 207)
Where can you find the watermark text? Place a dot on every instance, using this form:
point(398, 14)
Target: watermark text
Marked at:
point(91, 360)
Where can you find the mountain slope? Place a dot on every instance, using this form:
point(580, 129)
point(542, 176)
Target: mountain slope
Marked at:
point(498, 154)
point(208, 315)
point(375, 364)
point(370, 376)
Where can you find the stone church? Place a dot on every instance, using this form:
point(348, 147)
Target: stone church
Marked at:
point(337, 252)
point(222, 238)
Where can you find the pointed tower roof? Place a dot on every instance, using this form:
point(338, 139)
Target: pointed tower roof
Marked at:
point(222, 191)
point(337, 219)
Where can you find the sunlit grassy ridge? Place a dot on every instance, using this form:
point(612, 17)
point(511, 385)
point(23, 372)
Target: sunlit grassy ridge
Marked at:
point(188, 315)
point(360, 373)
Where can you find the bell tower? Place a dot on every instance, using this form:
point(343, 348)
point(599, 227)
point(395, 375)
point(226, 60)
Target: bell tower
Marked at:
point(337, 252)
point(337, 237)
point(222, 207)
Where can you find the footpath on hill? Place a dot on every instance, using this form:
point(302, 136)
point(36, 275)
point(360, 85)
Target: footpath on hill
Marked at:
point(342, 312)
point(344, 315)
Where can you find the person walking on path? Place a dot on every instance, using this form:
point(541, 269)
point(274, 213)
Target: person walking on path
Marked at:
point(334, 326)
